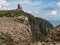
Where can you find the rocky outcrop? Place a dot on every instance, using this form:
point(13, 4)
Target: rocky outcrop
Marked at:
point(53, 38)
point(55, 33)
point(14, 33)
point(39, 27)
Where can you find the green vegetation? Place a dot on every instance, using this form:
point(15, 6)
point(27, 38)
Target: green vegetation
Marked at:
point(39, 27)
point(10, 13)
point(19, 20)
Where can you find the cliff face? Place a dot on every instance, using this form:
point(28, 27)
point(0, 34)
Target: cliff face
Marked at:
point(39, 27)
point(35, 29)
point(14, 33)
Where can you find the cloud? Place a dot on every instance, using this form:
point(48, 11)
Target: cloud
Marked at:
point(58, 4)
point(27, 2)
point(53, 12)
point(4, 5)
point(50, 11)
point(33, 12)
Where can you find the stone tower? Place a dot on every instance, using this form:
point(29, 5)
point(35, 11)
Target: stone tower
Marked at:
point(19, 7)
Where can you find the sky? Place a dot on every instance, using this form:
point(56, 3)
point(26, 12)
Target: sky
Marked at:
point(46, 9)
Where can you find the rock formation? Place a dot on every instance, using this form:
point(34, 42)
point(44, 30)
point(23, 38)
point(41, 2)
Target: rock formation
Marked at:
point(55, 33)
point(14, 33)
point(21, 28)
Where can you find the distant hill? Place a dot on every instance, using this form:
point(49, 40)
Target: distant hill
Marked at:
point(39, 27)
point(55, 34)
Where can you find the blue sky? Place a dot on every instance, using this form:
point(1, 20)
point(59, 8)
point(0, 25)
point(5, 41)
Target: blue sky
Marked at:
point(46, 9)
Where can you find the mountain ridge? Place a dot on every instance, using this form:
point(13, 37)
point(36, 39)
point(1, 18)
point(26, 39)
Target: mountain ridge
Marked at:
point(39, 28)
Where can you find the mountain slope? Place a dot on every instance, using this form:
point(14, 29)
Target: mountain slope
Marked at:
point(39, 27)
point(55, 33)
